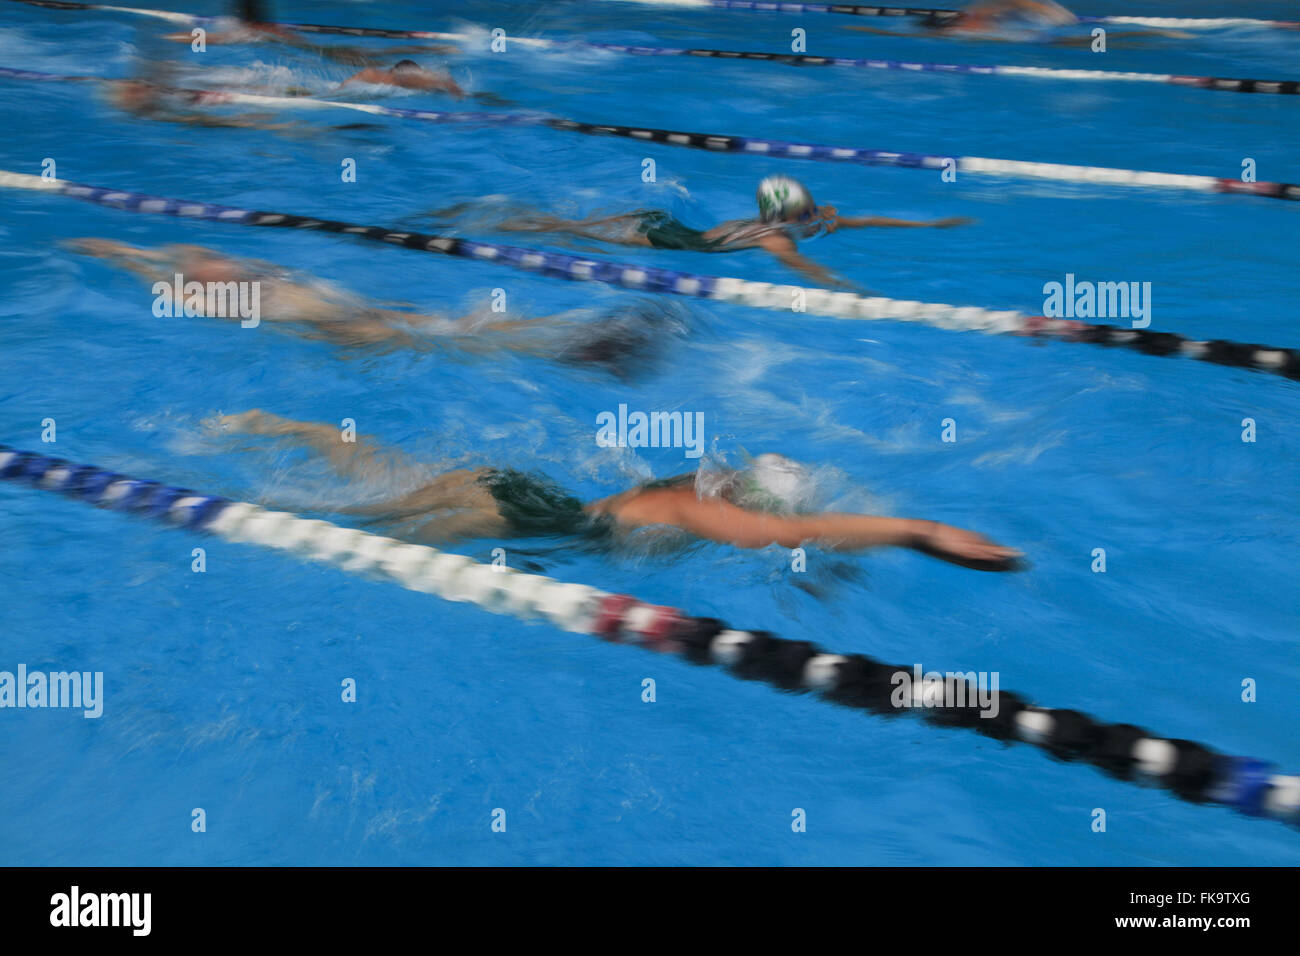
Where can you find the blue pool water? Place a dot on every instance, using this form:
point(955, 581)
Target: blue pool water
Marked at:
point(222, 688)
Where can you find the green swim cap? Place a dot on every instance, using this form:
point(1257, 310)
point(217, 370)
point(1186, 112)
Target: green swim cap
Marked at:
point(784, 199)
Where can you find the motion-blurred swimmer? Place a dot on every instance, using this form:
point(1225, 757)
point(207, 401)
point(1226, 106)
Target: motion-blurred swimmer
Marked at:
point(990, 15)
point(1013, 21)
point(409, 75)
point(787, 213)
point(747, 508)
point(150, 100)
point(251, 23)
point(622, 341)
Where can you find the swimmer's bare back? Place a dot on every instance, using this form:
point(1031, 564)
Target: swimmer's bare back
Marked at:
point(425, 80)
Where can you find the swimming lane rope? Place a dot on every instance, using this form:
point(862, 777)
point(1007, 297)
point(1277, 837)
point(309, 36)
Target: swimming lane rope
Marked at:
point(757, 6)
point(763, 295)
point(1220, 83)
point(1227, 84)
point(775, 6)
point(1190, 770)
point(782, 149)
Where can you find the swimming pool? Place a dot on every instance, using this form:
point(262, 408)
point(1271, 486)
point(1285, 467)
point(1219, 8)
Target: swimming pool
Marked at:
point(223, 688)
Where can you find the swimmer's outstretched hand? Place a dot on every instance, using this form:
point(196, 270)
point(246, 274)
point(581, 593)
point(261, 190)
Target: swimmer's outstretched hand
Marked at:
point(967, 548)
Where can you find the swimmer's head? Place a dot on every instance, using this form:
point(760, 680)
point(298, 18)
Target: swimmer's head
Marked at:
point(783, 480)
point(627, 339)
point(772, 483)
point(407, 67)
point(252, 11)
point(783, 199)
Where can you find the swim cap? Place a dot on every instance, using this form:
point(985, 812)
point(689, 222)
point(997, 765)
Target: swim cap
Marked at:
point(626, 339)
point(773, 483)
point(407, 66)
point(781, 198)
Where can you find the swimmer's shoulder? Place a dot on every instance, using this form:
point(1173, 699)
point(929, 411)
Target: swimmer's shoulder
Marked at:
point(644, 503)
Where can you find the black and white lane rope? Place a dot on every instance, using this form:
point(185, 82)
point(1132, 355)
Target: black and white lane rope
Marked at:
point(1189, 770)
point(752, 146)
point(764, 295)
point(485, 40)
point(939, 15)
point(933, 14)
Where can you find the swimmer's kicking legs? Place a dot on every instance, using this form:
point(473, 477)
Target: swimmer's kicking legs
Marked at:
point(622, 341)
point(327, 312)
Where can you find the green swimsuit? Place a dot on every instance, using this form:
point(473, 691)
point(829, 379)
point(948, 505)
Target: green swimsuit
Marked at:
point(664, 232)
point(535, 506)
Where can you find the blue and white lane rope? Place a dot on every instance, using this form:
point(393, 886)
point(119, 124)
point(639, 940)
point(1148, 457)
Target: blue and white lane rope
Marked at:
point(763, 295)
point(1218, 83)
point(779, 149)
point(756, 6)
point(776, 6)
point(1190, 770)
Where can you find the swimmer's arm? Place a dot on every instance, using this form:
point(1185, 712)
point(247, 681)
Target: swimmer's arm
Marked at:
point(447, 85)
point(864, 222)
point(783, 249)
point(718, 520)
point(145, 263)
point(111, 249)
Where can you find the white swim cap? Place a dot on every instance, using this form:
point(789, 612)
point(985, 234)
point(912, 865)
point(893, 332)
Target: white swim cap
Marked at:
point(781, 198)
point(780, 477)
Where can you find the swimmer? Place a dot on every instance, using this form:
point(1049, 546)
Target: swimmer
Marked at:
point(252, 25)
point(149, 100)
point(1011, 21)
point(748, 509)
point(786, 213)
point(621, 342)
point(409, 75)
point(989, 15)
